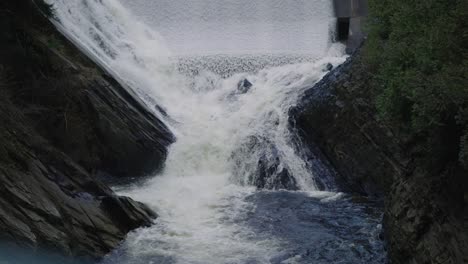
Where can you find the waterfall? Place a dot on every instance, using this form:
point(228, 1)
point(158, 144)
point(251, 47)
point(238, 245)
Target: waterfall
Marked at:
point(225, 74)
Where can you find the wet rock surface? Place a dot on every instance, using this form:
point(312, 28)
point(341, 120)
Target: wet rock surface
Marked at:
point(337, 118)
point(63, 122)
point(424, 193)
point(244, 86)
point(269, 172)
point(50, 202)
point(75, 105)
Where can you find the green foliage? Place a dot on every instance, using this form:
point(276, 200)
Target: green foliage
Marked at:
point(419, 49)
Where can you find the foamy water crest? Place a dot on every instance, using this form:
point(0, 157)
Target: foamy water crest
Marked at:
point(201, 194)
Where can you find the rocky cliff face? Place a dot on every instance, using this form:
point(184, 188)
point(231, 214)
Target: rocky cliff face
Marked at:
point(424, 192)
point(63, 122)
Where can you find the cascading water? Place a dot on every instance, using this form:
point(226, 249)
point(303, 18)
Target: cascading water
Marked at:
point(232, 134)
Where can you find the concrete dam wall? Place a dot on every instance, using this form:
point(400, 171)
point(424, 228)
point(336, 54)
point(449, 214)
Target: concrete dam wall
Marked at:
point(351, 16)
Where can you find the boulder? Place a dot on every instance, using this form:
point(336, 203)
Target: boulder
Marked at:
point(78, 107)
point(260, 160)
point(244, 86)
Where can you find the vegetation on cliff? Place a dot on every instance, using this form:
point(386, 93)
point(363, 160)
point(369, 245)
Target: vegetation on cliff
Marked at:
point(419, 52)
point(416, 61)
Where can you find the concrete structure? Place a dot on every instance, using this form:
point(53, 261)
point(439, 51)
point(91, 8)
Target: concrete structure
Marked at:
point(351, 16)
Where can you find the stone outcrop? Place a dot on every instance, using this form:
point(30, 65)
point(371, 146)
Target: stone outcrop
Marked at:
point(258, 163)
point(47, 201)
point(244, 86)
point(336, 116)
point(64, 121)
point(74, 104)
point(425, 193)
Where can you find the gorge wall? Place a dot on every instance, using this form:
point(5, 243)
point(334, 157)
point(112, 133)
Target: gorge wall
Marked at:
point(64, 122)
point(424, 192)
point(419, 174)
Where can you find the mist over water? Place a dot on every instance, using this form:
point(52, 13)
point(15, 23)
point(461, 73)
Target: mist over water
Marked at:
point(238, 27)
point(188, 58)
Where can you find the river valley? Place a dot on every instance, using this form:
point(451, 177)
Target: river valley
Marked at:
point(223, 75)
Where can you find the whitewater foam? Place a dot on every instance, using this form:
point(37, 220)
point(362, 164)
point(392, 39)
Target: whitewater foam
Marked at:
point(201, 194)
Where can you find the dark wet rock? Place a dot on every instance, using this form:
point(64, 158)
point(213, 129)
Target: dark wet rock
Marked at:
point(244, 86)
point(425, 211)
point(260, 159)
point(161, 110)
point(63, 121)
point(271, 175)
point(125, 140)
point(344, 128)
point(47, 201)
point(75, 105)
point(329, 67)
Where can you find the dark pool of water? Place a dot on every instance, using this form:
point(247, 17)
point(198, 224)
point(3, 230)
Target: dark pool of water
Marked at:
point(312, 230)
point(318, 230)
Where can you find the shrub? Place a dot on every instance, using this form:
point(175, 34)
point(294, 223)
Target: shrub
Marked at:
point(420, 53)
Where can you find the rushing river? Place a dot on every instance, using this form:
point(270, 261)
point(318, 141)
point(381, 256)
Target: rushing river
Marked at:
point(191, 58)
